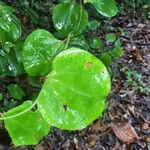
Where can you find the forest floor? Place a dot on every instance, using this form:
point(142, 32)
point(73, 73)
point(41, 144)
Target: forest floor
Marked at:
point(125, 124)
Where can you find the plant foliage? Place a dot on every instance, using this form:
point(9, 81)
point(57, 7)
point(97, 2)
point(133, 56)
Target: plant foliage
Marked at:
point(76, 82)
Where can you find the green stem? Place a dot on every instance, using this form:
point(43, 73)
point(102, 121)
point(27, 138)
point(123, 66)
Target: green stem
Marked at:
point(21, 113)
point(68, 40)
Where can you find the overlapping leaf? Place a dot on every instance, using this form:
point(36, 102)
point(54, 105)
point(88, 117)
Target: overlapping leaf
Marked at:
point(10, 26)
point(70, 18)
point(107, 8)
point(39, 50)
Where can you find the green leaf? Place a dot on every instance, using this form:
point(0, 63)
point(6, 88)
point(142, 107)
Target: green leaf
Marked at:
point(10, 25)
point(18, 48)
point(74, 92)
point(1, 96)
point(111, 37)
point(96, 42)
point(70, 19)
point(9, 64)
point(8, 104)
point(39, 50)
point(106, 59)
point(79, 42)
point(117, 52)
point(15, 31)
point(7, 46)
point(117, 43)
point(4, 36)
point(107, 8)
point(65, 1)
point(5, 9)
point(2, 66)
point(16, 91)
point(2, 53)
point(13, 67)
point(109, 56)
point(27, 129)
point(33, 81)
point(93, 24)
point(4, 25)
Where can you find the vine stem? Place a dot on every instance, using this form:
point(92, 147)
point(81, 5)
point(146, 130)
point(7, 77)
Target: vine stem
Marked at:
point(21, 113)
point(70, 34)
point(68, 40)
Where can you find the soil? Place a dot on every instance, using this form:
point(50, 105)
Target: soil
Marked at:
point(125, 125)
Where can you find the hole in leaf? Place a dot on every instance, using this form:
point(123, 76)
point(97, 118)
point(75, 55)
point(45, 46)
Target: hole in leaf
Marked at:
point(89, 65)
point(103, 71)
point(65, 107)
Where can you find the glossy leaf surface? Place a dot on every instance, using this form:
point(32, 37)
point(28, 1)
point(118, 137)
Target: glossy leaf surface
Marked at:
point(10, 26)
point(74, 92)
point(39, 50)
point(2, 66)
point(70, 18)
point(107, 8)
point(27, 129)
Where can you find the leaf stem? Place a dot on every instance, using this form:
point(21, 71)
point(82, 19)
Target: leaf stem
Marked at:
point(20, 113)
point(68, 40)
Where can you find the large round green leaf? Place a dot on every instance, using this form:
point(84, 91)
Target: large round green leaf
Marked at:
point(107, 8)
point(70, 18)
point(74, 92)
point(39, 50)
point(27, 129)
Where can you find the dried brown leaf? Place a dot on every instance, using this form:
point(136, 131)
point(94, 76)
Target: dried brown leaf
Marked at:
point(124, 132)
point(132, 109)
point(145, 126)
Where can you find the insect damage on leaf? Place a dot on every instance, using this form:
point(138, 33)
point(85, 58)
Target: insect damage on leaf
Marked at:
point(89, 65)
point(65, 107)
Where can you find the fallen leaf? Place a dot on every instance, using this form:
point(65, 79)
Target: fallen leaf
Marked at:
point(145, 126)
point(96, 126)
point(148, 139)
point(136, 53)
point(92, 142)
point(124, 132)
point(132, 109)
point(124, 147)
point(100, 127)
point(117, 146)
point(39, 147)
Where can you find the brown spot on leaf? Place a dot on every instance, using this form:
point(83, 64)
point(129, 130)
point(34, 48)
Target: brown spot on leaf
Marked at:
point(89, 65)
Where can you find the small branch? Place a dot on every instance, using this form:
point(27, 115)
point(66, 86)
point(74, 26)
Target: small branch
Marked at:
point(142, 44)
point(68, 40)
